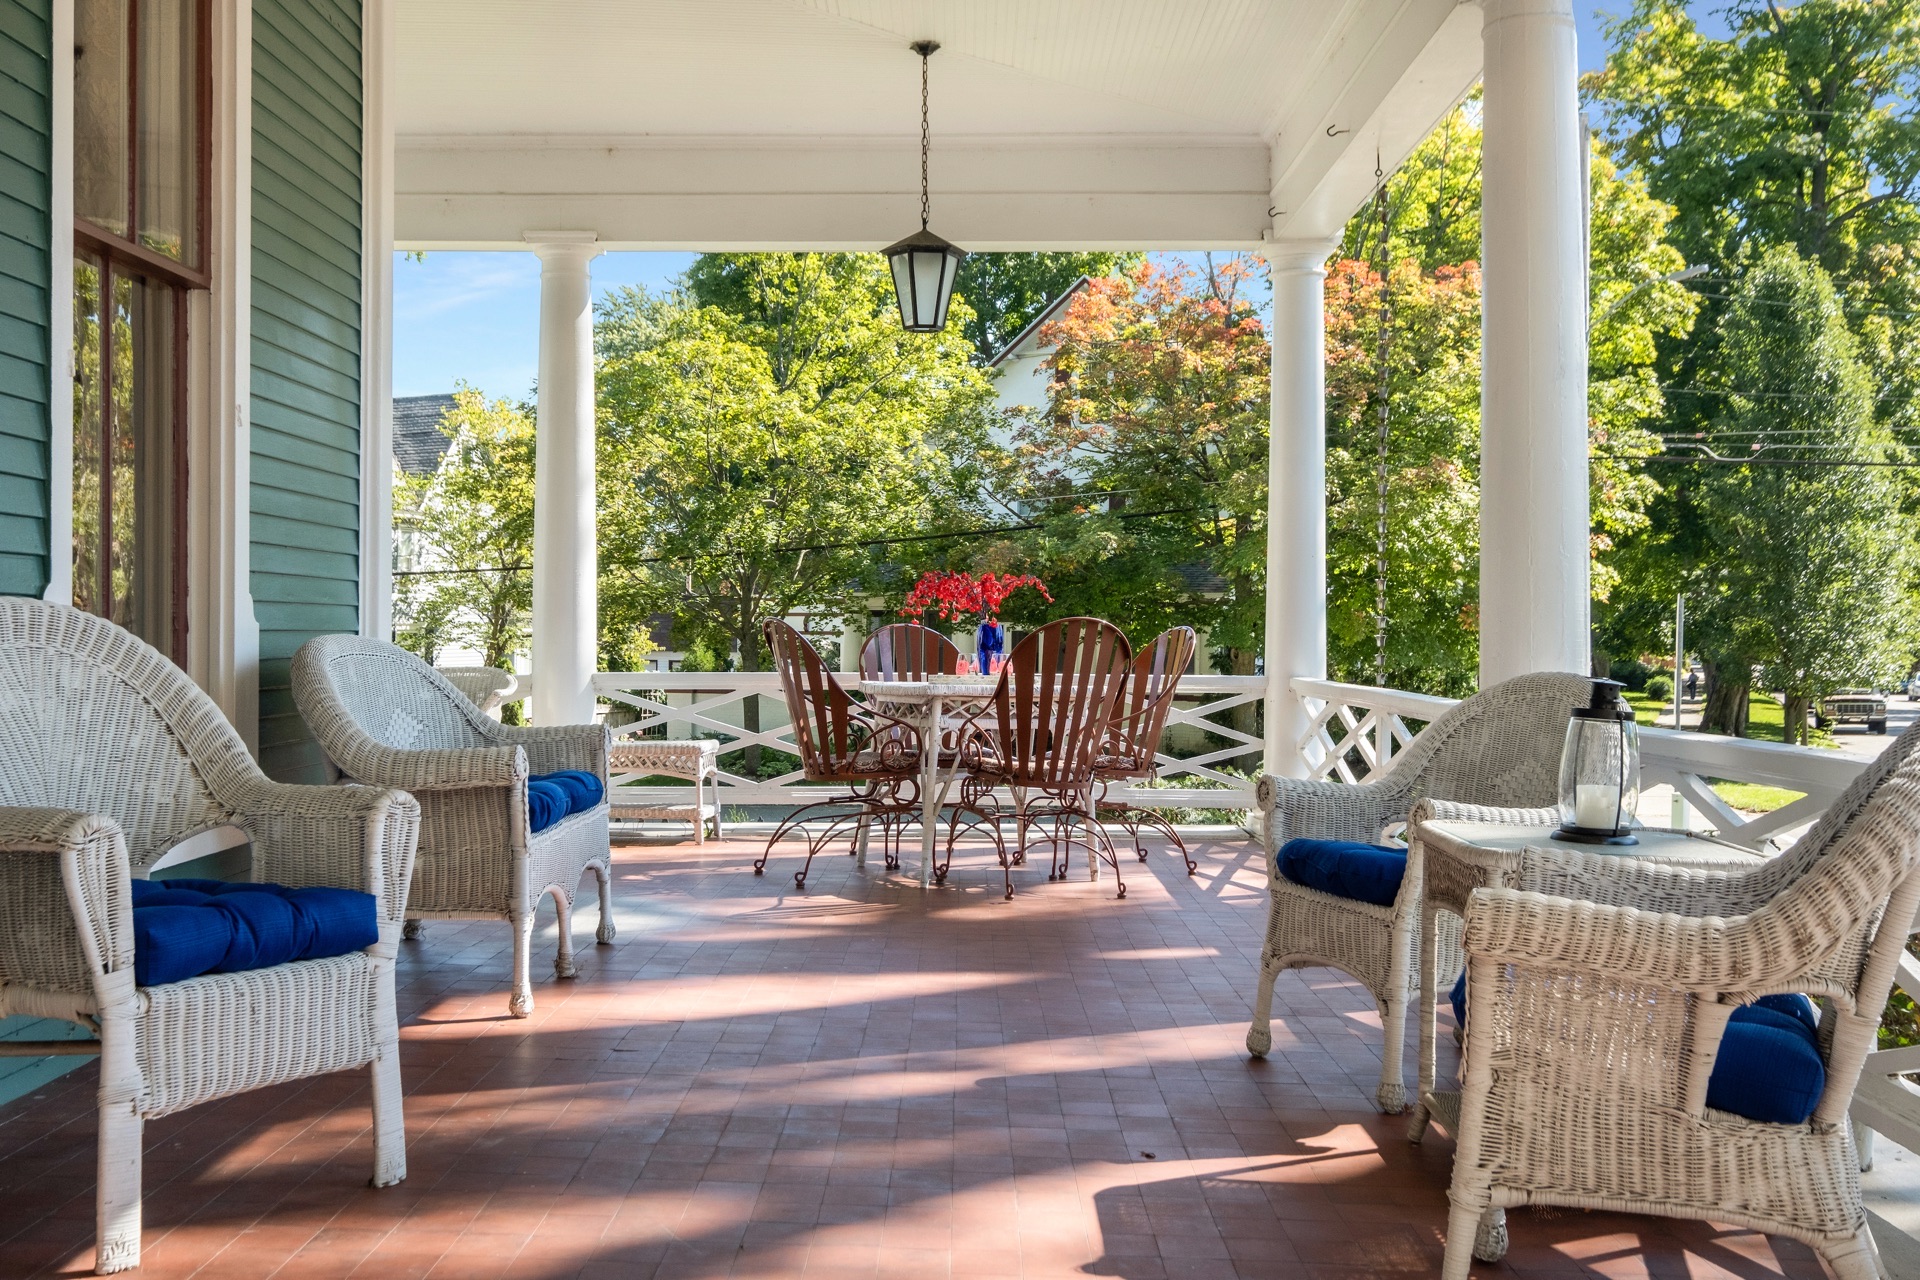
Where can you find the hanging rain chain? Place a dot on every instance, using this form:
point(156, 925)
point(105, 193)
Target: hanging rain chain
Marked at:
point(1382, 390)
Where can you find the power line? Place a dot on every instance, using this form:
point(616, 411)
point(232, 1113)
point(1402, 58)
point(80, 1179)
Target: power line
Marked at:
point(817, 546)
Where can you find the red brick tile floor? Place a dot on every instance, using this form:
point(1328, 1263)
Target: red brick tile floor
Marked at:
point(864, 1080)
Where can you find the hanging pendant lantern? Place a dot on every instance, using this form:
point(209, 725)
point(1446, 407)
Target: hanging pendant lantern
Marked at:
point(1600, 771)
point(924, 265)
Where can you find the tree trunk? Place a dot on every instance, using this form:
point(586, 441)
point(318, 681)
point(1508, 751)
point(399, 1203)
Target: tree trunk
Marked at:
point(1797, 707)
point(1727, 689)
point(1245, 717)
point(749, 642)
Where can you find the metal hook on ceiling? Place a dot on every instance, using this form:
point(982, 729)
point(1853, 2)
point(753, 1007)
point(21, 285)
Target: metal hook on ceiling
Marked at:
point(1334, 133)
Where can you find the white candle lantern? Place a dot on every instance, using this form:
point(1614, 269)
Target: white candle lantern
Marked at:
point(1600, 770)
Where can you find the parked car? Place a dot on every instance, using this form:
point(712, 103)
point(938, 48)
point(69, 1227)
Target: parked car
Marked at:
point(1913, 688)
point(1853, 706)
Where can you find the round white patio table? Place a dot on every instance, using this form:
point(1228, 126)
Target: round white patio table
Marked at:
point(927, 705)
point(1460, 857)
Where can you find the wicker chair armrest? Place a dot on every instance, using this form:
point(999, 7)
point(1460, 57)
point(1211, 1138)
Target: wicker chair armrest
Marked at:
point(1708, 955)
point(81, 859)
point(1433, 810)
point(347, 837)
point(437, 769)
point(1328, 810)
point(551, 748)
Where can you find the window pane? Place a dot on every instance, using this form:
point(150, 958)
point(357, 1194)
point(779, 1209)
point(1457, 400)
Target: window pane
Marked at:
point(168, 158)
point(100, 112)
point(120, 561)
point(144, 461)
point(87, 420)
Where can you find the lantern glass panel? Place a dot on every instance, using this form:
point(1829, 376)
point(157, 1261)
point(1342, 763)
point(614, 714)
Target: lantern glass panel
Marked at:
point(903, 285)
point(926, 286)
point(1600, 776)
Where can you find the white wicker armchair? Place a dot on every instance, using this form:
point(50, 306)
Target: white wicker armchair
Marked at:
point(109, 755)
point(385, 717)
point(1499, 748)
point(1598, 993)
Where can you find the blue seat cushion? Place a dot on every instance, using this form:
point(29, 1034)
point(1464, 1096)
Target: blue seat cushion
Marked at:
point(584, 791)
point(1345, 868)
point(1768, 1067)
point(184, 928)
point(546, 803)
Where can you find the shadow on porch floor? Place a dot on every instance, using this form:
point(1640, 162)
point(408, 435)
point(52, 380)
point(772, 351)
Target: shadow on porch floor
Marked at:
point(858, 1081)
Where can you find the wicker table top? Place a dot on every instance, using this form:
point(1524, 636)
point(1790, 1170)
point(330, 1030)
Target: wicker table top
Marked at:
point(1464, 856)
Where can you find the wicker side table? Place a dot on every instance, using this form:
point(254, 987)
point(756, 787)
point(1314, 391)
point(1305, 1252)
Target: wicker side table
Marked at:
point(696, 760)
point(1461, 856)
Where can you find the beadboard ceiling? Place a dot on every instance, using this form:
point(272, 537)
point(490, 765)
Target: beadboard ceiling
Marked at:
point(842, 67)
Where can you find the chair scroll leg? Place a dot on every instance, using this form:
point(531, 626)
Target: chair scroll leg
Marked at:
point(520, 1003)
point(563, 957)
point(117, 1198)
point(604, 935)
point(389, 1119)
point(1260, 1034)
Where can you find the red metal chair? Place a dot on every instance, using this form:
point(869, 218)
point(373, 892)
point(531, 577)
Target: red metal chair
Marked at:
point(1043, 731)
point(840, 741)
point(907, 651)
point(1138, 725)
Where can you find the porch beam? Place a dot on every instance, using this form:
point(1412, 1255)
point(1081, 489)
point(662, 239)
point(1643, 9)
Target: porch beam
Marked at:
point(1296, 621)
point(1533, 381)
point(566, 603)
point(847, 193)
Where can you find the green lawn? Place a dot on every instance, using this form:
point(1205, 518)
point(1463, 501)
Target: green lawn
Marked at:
point(1766, 719)
point(1766, 722)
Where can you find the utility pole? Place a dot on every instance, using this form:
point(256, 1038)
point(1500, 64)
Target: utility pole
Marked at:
point(1679, 655)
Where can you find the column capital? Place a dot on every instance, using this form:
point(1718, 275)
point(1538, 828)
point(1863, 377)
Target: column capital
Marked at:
point(582, 245)
point(1295, 257)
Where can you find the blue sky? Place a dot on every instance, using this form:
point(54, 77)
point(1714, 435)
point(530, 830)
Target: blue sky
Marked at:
point(474, 317)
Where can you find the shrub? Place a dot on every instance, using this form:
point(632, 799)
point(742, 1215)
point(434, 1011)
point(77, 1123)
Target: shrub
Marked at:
point(1631, 674)
point(1660, 688)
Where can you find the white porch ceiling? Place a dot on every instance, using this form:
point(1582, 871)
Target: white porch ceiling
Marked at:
point(794, 123)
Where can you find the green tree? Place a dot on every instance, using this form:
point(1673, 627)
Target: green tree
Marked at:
point(1006, 291)
point(765, 432)
point(1811, 565)
point(1403, 362)
point(468, 527)
point(1798, 129)
point(1148, 464)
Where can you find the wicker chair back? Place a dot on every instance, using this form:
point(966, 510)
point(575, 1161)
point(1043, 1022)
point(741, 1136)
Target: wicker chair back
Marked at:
point(1500, 747)
point(1055, 703)
point(485, 687)
point(396, 699)
point(1141, 718)
point(908, 651)
point(827, 726)
point(93, 719)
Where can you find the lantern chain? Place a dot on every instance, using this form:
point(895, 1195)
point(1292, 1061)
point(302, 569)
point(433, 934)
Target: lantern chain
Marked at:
point(925, 49)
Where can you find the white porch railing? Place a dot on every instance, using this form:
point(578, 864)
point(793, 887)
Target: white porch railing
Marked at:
point(1207, 755)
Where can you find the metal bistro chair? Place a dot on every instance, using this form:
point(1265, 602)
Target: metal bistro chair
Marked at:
point(907, 651)
point(1138, 725)
point(840, 741)
point(1042, 732)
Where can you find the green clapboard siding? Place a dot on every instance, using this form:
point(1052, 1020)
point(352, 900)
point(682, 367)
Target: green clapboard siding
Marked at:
point(306, 349)
point(26, 155)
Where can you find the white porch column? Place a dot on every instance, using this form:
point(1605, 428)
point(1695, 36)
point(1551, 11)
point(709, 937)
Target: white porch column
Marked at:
point(1296, 631)
point(566, 597)
point(1533, 379)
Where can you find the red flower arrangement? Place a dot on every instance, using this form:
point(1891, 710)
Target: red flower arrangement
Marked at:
point(955, 596)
